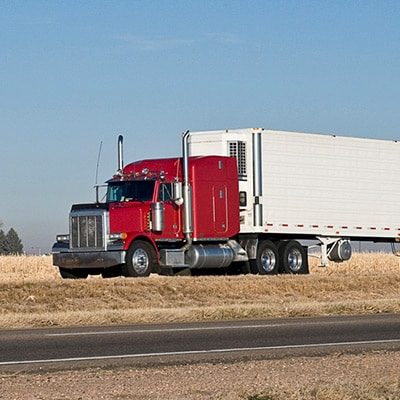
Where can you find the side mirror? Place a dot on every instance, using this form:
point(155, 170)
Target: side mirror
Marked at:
point(176, 195)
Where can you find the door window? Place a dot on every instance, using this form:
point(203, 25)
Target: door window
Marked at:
point(164, 193)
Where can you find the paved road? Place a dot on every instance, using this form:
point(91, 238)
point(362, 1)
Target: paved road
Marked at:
point(182, 343)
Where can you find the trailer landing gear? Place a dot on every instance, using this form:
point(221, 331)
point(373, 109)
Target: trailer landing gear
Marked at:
point(334, 249)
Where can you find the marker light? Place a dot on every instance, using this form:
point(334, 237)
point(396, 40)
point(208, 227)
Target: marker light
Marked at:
point(62, 238)
point(118, 236)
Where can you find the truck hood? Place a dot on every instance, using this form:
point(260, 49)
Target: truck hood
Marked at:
point(90, 206)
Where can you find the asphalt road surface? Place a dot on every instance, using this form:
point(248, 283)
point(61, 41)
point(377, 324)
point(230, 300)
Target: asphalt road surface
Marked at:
point(139, 345)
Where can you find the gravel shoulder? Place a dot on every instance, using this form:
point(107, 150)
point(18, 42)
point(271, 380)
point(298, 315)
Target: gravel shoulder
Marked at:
point(373, 376)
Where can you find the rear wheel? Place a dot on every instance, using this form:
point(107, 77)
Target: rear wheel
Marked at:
point(293, 257)
point(267, 260)
point(67, 273)
point(141, 260)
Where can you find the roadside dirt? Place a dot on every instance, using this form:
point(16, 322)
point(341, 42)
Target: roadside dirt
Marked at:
point(372, 376)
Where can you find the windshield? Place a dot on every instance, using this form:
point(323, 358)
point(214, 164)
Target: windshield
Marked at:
point(130, 191)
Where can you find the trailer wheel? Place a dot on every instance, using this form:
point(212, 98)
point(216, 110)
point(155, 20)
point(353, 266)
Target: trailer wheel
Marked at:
point(141, 260)
point(67, 273)
point(267, 261)
point(293, 257)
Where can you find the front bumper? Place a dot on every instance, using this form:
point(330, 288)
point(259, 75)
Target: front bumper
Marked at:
point(87, 259)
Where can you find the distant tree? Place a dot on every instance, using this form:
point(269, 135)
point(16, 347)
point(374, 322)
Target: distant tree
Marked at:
point(13, 243)
point(3, 243)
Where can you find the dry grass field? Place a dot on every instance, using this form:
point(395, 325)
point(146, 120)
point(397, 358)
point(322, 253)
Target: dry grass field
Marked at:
point(33, 294)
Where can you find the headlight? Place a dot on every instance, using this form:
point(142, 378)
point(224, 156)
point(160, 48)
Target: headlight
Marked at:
point(62, 238)
point(117, 236)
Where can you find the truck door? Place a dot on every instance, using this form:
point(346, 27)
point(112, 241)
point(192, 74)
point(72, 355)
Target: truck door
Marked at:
point(171, 211)
point(220, 208)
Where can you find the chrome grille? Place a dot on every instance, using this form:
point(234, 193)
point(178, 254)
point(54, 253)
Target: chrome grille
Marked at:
point(87, 231)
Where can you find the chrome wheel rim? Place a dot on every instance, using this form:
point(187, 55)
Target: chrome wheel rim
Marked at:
point(140, 261)
point(268, 260)
point(295, 260)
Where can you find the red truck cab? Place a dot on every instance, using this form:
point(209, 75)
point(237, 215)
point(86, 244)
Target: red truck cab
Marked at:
point(140, 228)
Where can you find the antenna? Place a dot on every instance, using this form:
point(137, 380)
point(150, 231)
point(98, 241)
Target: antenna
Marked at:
point(97, 172)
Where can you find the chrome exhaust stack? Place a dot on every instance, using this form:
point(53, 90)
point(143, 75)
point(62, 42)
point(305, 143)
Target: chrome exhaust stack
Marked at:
point(120, 154)
point(187, 192)
point(197, 256)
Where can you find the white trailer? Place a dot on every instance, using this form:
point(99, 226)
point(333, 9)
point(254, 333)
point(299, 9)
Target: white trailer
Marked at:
point(297, 186)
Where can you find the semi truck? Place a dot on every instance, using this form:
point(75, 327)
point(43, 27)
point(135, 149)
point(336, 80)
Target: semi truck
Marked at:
point(242, 200)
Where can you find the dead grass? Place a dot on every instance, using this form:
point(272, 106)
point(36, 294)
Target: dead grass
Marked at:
point(33, 294)
point(20, 269)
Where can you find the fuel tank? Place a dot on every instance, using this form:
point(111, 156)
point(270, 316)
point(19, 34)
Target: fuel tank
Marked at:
point(209, 256)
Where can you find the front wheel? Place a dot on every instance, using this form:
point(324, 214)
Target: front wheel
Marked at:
point(141, 260)
point(293, 257)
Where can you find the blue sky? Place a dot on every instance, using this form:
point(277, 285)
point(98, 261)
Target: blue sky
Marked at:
point(75, 73)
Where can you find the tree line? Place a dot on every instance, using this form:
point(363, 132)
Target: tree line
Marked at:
point(10, 243)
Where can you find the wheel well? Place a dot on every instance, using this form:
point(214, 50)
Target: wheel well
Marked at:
point(145, 239)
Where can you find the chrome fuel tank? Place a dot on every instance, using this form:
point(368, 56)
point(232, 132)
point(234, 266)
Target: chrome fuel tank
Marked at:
point(210, 256)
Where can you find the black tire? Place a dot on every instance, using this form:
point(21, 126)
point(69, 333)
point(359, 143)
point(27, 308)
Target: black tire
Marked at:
point(293, 258)
point(280, 245)
point(141, 260)
point(67, 273)
point(267, 261)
